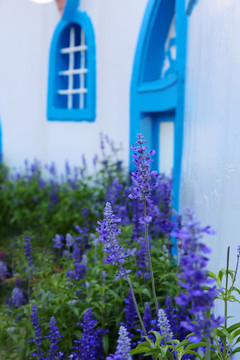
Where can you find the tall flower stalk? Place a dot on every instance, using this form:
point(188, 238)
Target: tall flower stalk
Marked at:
point(116, 255)
point(142, 187)
point(198, 294)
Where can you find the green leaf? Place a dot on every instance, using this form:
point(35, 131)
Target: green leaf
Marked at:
point(192, 352)
point(233, 327)
point(157, 335)
point(141, 348)
point(235, 351)
point(147, 293)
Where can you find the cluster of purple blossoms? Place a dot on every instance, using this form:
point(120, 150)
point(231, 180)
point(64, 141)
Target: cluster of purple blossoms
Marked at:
point(123, 347)
point(164, 325)
point(38, 336)
point(89, 347)
point(143, 177)
point(3, 271)
point(28, 251)
point(148, 321)
point(109, 231)
point(194, 279)
point(58, 241)
point(54, 336)
point(131, 317)
point(17, 298)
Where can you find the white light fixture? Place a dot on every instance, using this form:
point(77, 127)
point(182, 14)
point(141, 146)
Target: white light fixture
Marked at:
point(42, 1)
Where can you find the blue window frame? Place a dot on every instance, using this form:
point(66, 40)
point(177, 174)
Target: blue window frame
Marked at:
point(72, 68)
point(157, 86)
point(190, 5)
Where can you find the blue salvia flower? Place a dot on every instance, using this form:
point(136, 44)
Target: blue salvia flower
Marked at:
point(38, 336)
point(147, 318)
point(130, 314)
point(58, 241)
point(69, 240)
point(17, 298)
point(123, 347)
point(28, 251)
point(89, 347)
point(194, 278)
point(164, 325)
point(3, 270)
point(109, 231)
point(143, 176)
point(54, 336)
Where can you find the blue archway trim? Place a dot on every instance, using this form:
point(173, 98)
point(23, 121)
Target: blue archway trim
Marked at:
point(54, 113)
point(70, 8)
point(155, 97)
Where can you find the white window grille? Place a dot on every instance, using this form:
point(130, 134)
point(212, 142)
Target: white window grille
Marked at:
point(75, 69)
point(170, 50)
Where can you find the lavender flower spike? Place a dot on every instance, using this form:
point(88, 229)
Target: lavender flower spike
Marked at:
point(38, 336)
point(108, 235)
point(164, 325)
point(115, 255)
point(141, 178)
point(53, 336)
point(123, 347)
point(28, 251)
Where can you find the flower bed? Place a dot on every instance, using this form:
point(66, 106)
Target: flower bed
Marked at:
point(86, 270)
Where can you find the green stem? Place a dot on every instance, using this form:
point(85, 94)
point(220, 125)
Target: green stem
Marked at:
point(226, 300)
point(207, 355)
point(149, 256)
point(136, 305)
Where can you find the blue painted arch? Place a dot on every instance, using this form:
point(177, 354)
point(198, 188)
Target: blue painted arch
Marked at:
point(159, 98)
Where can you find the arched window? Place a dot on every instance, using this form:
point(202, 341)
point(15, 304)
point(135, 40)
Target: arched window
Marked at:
point(72, 73)
point(157, 87)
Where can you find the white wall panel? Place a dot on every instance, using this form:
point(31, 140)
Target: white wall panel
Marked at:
point(26, 30)
point(211, 155)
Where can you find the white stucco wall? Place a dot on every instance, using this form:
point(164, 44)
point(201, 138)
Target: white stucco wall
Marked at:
point(211, 155)
point(25, 34)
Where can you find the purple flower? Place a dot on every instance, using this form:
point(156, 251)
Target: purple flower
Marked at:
point(54, 336)
point(69, 240)
point(28, 251)
point(67, 168)
point(58, 241)
point(147, 318)
point(38, 336)
point(89, 347)
point(194, 279)
point(142, 266)
point(143, 177)
point(164, 325)
point(3, 270)
point(238, 249)
point(123, 347)
point(108, 235)
point(130, 314)
point(17, 298)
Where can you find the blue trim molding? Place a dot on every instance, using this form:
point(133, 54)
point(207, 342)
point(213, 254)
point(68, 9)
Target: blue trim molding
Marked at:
point(190, 5)
point(57, 104)
point(156, 97)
